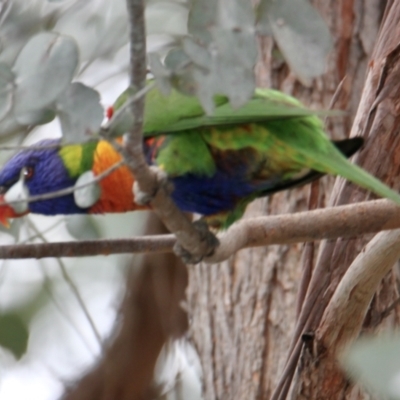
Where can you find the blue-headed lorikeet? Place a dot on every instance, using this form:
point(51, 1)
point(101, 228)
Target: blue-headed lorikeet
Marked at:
point(217, 164)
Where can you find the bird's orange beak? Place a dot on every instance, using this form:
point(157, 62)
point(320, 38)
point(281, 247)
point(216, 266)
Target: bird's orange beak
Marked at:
point(6, 212)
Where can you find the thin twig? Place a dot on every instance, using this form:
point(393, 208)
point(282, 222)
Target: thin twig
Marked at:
point(386, 312)
point(308, 253)
point(329, 223)
point(69, 190)
point(31, 147)
point(131, 100)
point(74, 289)
point(60, 306)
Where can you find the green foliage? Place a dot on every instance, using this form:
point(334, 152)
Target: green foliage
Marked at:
point(14, 334)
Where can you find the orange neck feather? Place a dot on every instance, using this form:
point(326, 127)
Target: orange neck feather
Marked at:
point(116, 188)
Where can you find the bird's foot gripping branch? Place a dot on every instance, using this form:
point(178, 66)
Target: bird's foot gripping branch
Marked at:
point(207, 240)
point(206, 236)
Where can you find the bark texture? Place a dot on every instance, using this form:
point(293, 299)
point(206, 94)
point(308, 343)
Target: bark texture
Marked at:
point(244, 311)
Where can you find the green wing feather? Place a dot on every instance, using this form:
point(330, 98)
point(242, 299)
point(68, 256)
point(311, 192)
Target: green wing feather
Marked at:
point(178, 112)
point(278, 126)
point(163, 112)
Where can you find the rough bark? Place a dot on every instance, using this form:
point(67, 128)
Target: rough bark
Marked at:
point(243, 311)
point(378, 120)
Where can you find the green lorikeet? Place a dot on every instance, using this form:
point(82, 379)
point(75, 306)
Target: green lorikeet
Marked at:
point(217, 163)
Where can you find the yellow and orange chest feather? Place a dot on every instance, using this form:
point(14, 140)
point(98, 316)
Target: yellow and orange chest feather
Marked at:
point(116, 188)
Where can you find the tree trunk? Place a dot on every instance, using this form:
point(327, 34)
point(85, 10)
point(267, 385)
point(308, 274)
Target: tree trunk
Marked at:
point(244, 311)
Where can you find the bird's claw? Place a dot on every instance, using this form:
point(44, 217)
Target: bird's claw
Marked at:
point(142, 198)
point(206, 236)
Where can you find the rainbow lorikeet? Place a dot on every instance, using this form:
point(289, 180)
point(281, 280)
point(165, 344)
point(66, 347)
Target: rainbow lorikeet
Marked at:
point(217, 163)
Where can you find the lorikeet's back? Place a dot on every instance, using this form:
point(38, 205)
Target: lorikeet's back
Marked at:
point(217, 163)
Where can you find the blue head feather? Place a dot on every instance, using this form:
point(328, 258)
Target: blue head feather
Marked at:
point(49, 175)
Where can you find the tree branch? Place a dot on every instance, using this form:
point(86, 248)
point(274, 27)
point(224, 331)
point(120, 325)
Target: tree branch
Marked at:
point(329, 223)
point(147, 181)
point(354, 293)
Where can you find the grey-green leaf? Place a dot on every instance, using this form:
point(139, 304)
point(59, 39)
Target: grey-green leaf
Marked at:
point(88, 191)
point(80, 112)
point(14, 334)
point(160, 73)
point(6, 89)
point(301, 34)
point(43, 71)
point(375, 362)
point(202, 17)
point(223, 50)
point(82, 227)
point(230, 71)
point(36, 117)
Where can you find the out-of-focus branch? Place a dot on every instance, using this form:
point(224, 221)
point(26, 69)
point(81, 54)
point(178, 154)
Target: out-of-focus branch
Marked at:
point(150, 314)
point(146, 178)
point(355, 291)
point(330, 223)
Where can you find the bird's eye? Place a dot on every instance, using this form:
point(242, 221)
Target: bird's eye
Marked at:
point(28, 173)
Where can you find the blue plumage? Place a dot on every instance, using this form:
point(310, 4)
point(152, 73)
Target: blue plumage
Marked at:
point(49, 175)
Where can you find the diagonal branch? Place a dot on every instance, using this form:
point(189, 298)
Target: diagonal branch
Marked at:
point(330, 223)
point(146, 178)
point(355, 291)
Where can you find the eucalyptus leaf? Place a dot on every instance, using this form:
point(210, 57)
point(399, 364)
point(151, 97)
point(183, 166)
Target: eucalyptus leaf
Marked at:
point(82, 227)
point(43, 71)
point(14, 334)
point(161, 73)
point(166, 17)
point(202, 17)
point(181, 68)
point(9, 126)
point(100, 27)
point(375, 362)
point(176, 59)
point(301, 34)
point(223, 50)
point(6, 89)
point(231, 70)
point(37, 117)
point(88, 195)
point(198, 54)
point(80, 112)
